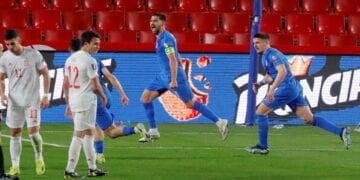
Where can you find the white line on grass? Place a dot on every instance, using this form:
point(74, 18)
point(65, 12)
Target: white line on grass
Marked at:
point(44, 143)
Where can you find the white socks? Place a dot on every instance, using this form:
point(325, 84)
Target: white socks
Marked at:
point(89, 151)
point(37, 142)
point(74, 153)
point(15, 151)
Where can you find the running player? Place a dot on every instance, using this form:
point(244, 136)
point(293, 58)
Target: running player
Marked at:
point(80, 85)
point(23, 67)
point(104, 118)
point(284, 90)
point(172, 77)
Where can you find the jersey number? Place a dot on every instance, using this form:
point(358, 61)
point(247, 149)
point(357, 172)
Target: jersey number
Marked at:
point(75, 70)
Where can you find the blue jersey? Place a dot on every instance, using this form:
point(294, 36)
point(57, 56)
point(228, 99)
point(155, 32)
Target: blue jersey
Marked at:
point(272, 58)
point(165, 44)
point(102, 83)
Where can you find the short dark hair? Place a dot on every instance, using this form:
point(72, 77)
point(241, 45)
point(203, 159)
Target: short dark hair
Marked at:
point(261, 35)
point(160, 15)
point(87, 36)
point(75, 44)
point(10, 34)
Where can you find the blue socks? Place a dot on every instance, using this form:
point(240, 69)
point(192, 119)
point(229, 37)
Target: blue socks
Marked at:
point(149, 109)
point(99, 146)
point(263, 129)
point(128, 131)
point(205, 111)
point(326, 125)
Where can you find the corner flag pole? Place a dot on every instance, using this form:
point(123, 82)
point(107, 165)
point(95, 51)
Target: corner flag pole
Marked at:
point(253, 65)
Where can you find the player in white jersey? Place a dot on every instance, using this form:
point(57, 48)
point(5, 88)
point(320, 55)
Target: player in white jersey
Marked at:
point(3, 176)
point(80, 85)
point(23, 66)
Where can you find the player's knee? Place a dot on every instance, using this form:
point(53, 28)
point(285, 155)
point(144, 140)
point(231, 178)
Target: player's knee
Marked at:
point(144, 100)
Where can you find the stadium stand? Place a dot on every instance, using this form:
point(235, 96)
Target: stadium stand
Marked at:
point(204, 22)
point(68, 5)
point(192, 5)
point(110, 20)
point(8, 4)
point(318, 6)
point(97, 5)
point(46, 19)
point(22, 18)
point(222, 6)
point(160, 6)
point(235, 23)
point(34, 4)
point(284, 7)
point(299, 23)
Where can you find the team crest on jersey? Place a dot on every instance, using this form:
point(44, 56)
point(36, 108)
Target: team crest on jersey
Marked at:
point(166, 45)
point(274, 57)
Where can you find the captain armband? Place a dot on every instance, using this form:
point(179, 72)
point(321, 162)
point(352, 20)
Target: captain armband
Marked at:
point(169, 50)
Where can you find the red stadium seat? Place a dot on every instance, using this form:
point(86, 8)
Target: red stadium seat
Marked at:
point(347, 6)
point(8, 4)
point(342, 40)
point(330, 23)
point(121, 36)
point(129, 5)
point(235, 23)
point(308, 40)
point(79, 32)
point(46, 19)
point(58, 35)
point(210, 38)
point(354, 25)
point(247, 6)
point(281, 39)
point(271, 23)
point(160, 6)
point(284, 6)
point(147, 37)
point(21, 22)
point(187, 37)
point(97, 5)
point(204, 22)
point(83, 20)
point(299, 23)
point(138, 21)
point(241, 39)
point(29, 35)
point(192, 5)
point(316, 6)
point(66, 5)
point(34, 4)
point(110, 20)
point(222, 6)
point(176, 21)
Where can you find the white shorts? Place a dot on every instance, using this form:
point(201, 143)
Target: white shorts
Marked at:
point(16, 116)
point(85, 119)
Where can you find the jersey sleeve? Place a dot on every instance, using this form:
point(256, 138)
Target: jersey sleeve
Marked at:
point(40, 61)
point(2, 64)
point(169, 44)
point(91, 69)
point(276, 58)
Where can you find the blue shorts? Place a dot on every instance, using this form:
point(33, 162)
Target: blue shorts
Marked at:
point(293, 97)
point(161, 85)
point(104, 118)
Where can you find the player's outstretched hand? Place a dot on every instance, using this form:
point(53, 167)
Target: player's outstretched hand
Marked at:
point(44, 102)
point(124, 100)
point(4, 100)
point(68, 112)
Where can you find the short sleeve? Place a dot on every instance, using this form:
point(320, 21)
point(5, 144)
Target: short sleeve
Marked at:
point(40, 61)
point(169, 44)
point(276, 59)
point(91, 69)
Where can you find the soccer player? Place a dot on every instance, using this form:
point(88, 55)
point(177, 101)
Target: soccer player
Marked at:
point(2, 167)
point(104, 118)
point(81, 84)
point(23, 67)
point(172, 77)
point(284, 90)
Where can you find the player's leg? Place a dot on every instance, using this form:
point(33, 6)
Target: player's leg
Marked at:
point(99, 145)
point(305, 113)
point(146, 99)
point(33, 124)
point(15, 121)
point(186, 95)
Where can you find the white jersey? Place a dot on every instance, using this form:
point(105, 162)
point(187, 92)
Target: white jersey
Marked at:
point(23, 74)
point(80, 68)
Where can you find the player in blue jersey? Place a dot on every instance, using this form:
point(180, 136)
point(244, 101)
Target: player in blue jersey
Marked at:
point(172, 77)
point(104, 118)
point(284, 90)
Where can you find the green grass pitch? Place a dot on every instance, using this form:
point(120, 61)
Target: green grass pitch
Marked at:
point(195, 151)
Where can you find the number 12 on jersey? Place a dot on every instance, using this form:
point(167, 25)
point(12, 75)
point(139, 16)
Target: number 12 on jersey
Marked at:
point(73, 76)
